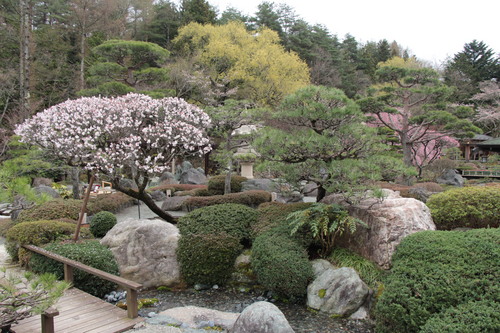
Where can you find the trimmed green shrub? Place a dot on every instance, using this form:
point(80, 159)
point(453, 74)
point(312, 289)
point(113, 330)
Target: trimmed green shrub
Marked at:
point(233, 219)
point(38, 233)
point(435, 271)
point(281, 265)
point(471, 317)
point(274, 214)
point(5, 225)
point(249, 198)
point(216, 184)
point(467, 207)
point(101, 223)
point(90, 253)
point(207, 258)
point(52, 210)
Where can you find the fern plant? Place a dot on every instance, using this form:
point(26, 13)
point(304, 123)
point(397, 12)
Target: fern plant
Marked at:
point(326, 223)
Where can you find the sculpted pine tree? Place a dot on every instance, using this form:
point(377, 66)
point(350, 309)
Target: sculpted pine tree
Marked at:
point(411, 101)
point(132, 136)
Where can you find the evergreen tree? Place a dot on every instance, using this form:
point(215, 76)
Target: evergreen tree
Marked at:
point(199, 11)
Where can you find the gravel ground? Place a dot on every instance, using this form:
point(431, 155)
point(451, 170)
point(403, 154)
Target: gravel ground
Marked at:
point(300, 318)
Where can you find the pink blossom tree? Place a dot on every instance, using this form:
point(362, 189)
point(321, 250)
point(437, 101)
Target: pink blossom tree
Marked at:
point(132, 136)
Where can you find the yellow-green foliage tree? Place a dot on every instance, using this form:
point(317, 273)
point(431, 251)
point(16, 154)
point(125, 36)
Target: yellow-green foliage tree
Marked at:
point(253, 62)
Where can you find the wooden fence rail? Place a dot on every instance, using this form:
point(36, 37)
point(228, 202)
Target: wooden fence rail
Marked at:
point(131, 287)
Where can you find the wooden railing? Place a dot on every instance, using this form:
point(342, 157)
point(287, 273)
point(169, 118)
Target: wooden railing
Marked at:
point(130, 286)
point(480, 173)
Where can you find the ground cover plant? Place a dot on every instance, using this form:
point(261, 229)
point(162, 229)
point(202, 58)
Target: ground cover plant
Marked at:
point(90, 253)
point(437, 275)
point(469, 207)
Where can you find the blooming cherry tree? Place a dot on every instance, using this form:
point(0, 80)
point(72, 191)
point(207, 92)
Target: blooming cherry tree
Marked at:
point(131, 136)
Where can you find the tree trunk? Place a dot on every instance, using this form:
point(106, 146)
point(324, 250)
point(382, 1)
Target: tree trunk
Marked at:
point(75, 181)
point(82, 60)
point(146, 198)
point(227, 180)
point(25, 55)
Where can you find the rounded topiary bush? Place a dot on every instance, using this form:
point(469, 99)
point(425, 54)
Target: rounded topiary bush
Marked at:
point(476, 316)
point(281, 265)
point(216, 184)
point(207, 258)
point(52, 210)
point(90, 253)
point(38, 233)
point(469, 207)
point(101, 223)
point(233, 219)
point(436, 271)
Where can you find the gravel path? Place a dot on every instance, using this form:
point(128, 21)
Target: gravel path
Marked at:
point(300, 318)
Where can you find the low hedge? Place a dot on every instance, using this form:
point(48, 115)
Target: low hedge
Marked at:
point(471, 317)
point(90, 253)
point(175, 187)
point(469, 207)
point(38, 233)
point(207, 258)
point(101, 223)
point(434, 272)
point(233, 219)
point(281, 265)
point(216, 184)
point(52, 210)
point(250, 198)
point(70, 208)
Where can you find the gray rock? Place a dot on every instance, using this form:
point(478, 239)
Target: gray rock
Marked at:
point(321, 265)
point(191, 316)
point(158, 195)
point(388, 223)
point(337, 291)
point(259, 184)
point(262, 317)
point(145, 251)
point(310, 189)
point(361, 314)
point(451, 177)
point(155, 181)
point(420, 193)
point(161, 319)
point(128, 183)
point(174, 203)
point(41, 181)
point(294, 196)
point(168, 178)
point(193, 176)
point(44, 189)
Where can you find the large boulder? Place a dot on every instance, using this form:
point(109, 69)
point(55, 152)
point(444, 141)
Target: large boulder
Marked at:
point(145, 251)
point(174, 203)
point(41, 181)
point(262, 317)
point(259, 184)
point(44, 189)
point(451, 177)
point(194, 317)
point(337, 291)
point(187, 174)
point(389, 221)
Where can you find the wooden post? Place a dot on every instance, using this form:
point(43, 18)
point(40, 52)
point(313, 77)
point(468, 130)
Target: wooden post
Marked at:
point(132, 305)
point(68, 273)
point(48, 320)
point(84, 207)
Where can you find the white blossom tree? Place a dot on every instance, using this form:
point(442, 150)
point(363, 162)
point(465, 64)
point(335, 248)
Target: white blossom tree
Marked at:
point(132, 136)
point(488, 110)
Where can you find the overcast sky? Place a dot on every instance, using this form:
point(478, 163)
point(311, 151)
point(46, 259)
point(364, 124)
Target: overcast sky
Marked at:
point(432, 29)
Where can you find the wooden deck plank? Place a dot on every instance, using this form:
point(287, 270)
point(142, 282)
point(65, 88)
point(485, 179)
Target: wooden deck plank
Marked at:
point(80, 313)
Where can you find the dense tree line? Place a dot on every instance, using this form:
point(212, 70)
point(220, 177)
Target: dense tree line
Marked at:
point(54, 50)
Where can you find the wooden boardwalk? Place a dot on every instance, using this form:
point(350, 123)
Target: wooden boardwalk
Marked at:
point(80, 312)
